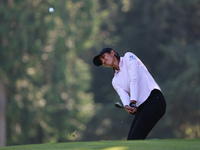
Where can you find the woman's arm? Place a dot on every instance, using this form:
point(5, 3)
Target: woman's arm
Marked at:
point(133, 72)
point(124, 96)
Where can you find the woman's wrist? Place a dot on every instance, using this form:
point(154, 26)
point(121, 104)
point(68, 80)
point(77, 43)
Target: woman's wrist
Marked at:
point(133, 101)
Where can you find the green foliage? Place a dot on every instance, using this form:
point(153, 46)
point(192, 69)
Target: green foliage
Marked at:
point(47, 83)
point(51, 83)
point(165, 36)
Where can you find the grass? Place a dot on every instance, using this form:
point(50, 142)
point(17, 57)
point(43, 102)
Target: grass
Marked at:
point(170, 144)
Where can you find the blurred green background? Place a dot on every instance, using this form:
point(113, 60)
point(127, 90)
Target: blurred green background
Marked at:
point(50, 91)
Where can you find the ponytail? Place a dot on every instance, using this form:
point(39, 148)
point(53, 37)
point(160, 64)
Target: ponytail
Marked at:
point(118, 58)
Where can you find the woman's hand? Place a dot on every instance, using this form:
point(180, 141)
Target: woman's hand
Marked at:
point(130, 110)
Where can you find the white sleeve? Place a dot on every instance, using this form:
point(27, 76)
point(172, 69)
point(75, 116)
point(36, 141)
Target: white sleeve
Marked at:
point(133, 72)
point(124, 96)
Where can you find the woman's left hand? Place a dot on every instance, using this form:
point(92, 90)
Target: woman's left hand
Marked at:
point(130, 110)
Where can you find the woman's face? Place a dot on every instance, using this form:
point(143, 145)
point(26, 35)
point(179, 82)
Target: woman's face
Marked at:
point(106, 59)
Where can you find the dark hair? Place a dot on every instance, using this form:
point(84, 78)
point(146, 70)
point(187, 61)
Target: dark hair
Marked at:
point(118, 58)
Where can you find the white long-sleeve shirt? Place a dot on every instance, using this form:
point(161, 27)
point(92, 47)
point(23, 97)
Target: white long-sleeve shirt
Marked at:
point(133, 81)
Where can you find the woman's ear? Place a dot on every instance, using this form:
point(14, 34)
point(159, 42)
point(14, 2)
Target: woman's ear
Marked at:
point(112, 52)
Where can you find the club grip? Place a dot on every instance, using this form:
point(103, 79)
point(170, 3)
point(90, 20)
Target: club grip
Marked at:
point(132, 104)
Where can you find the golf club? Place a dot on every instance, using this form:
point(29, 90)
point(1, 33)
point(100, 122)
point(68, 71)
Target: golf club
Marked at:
point(119, 105)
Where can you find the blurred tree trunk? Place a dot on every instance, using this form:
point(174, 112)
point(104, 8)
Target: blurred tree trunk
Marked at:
point(2, 115)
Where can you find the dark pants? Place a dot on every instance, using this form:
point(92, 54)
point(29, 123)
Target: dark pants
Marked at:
point(147, 115)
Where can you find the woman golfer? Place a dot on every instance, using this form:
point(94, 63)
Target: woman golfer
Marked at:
point(138, 91)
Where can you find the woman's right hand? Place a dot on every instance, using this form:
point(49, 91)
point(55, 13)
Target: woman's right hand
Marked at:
point(130, 110)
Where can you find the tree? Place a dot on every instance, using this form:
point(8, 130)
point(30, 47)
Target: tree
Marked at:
point(165, 36)
point(46, 81)
point(2, 116)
